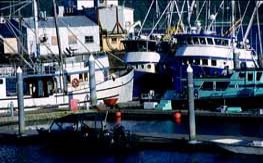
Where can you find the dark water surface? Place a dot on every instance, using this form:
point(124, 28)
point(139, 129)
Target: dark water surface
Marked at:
point(37, 153)
point(213, 126)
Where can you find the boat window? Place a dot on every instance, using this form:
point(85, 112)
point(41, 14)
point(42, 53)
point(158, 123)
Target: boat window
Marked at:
point(89, 39)
point(197, 61)
point(184, 41)
point(136, 66)
point(142, 66)
point(196, 41)
point(249, 76)
point(190, 61)
point(221, 86)
point(205, 61)
point(218, 42)
point(68, 78)
point(242, 75)
point(149, 66)
point(80, 77)
point(189, 40)
point(152, 46)
point(10, 86)
point(1, 81)
point(207, 86)
point(86, 76)
point(202, 40)
point(225, 42)
point(69, 126)
point(142, 46)
point(259, 74)
point(213, 62)
point(210, 41)
point(185, 61)
point(114, 40)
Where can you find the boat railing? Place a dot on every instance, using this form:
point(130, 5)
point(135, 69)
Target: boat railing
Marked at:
point(7, 70)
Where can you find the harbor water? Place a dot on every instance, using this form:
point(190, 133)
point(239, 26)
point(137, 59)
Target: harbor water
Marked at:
point(205, 126)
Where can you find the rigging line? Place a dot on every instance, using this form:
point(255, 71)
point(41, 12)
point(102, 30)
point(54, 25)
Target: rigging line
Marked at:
point(240, 25)
point(8, 7)
point(211, 23)
point(146, 17)
point(160, 18)
point(242, 18)
point(10, 28)
point(14, 1)
point(259, 37)
point(26, 24)
point(197, 17)
point(10, 25)
point(13, 13)
point(180, 21)
point(118, 58)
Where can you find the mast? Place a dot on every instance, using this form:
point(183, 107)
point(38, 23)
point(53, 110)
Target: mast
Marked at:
point(258, 4)
point(20, 51)
point(233, 18)
point(62, 81)
point(35, 9)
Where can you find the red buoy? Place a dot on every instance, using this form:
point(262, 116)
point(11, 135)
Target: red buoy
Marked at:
point(118, 114)
point(177, 115)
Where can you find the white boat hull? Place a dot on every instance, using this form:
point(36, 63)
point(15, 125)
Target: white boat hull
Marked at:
point(121, 88)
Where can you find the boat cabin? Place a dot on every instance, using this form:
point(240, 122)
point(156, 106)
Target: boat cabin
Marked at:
point(139, 45)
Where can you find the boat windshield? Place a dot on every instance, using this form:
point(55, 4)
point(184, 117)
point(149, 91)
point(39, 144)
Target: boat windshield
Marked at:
point(139, 45)
point(201, 40)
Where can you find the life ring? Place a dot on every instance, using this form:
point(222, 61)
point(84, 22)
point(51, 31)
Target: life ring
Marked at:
point(75, 83)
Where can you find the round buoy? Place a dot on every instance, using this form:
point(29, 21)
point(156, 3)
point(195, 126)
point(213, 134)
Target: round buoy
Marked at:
point(177, 115)
point(118, 114)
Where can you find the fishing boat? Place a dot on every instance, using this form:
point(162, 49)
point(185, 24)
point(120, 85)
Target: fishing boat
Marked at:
point(82, 131)
point(240, 146)
point(146, 57)
point(211, 53)
point(54, 93)
point(65, 81)
point(242, 88)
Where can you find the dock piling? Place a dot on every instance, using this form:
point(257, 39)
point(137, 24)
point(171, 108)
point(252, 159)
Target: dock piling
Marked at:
point(192, 135)
point(92, 81)
point(11, 107)
point(236, 60)
point(20, 100)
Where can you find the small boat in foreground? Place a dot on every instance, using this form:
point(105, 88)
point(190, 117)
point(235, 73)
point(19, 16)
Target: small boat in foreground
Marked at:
point(240, 146)
point(86, 131)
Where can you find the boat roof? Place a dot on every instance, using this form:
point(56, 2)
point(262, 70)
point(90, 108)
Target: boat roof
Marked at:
point(64, 21)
